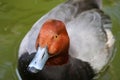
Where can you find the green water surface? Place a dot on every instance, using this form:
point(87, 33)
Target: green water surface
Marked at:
point(18, 16)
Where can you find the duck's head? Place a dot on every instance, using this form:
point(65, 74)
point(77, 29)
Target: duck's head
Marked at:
point(52, 41)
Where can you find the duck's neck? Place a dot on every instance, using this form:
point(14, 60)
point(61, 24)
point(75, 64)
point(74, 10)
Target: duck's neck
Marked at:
point(58, 59)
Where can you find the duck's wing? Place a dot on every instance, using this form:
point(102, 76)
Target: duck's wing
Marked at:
point(91, 38)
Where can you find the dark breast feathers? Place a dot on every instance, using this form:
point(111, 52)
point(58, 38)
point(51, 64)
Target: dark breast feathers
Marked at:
point(74, 70)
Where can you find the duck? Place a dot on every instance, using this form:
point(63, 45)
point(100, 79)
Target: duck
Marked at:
point(73, 41)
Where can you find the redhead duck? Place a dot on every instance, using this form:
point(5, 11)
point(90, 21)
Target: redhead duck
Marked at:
point(72, 42)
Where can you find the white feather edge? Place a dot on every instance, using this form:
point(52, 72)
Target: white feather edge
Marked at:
point(18, 75)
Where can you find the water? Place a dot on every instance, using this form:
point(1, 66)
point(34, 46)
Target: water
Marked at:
point(18, 16)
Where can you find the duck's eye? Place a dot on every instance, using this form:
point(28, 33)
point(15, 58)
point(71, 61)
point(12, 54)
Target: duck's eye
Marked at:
point(56, 36)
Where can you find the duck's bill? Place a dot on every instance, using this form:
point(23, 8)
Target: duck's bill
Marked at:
point(39, 60)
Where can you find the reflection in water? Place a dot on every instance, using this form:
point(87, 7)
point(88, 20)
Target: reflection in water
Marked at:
point(17, 17)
